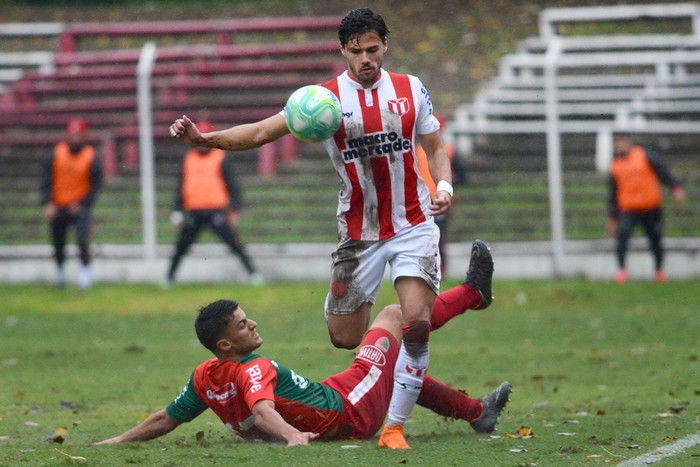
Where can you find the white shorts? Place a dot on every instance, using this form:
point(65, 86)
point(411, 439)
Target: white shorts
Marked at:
point(358, 266)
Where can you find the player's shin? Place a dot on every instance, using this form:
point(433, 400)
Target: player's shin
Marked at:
point(411, 367)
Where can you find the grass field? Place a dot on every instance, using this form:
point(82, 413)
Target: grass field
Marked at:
point(600, 372)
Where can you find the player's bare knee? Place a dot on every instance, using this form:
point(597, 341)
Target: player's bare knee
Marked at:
point(390, 313)
point(390, 319)
point(344, 341)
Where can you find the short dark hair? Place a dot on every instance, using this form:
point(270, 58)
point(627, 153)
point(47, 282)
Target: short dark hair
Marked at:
point(361, 21)
point(212, 320)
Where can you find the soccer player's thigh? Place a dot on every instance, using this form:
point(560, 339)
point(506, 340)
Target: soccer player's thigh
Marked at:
point(417, 254)
point(368, 383)
point(356, 276)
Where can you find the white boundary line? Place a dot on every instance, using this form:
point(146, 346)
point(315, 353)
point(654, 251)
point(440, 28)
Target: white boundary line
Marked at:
point(662, 452)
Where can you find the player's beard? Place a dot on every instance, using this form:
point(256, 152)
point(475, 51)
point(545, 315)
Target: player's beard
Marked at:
point(367, 76)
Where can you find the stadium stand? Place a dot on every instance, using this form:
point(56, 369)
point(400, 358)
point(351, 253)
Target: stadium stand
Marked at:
point(601, 80)
point(642, 79)
point(231, 72)
point(228, 71)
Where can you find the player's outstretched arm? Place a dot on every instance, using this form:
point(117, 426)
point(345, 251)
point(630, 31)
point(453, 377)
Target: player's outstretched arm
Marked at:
point(156, 425)
point(237, 138)
point(272, 423)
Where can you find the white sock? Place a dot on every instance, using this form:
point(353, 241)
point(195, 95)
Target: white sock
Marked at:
point(84, 279)
point(61, 280)
point(408, 381)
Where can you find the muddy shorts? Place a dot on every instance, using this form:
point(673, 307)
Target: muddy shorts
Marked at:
point(358, 267)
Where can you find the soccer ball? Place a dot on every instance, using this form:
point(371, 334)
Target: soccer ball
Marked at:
point(312, 113)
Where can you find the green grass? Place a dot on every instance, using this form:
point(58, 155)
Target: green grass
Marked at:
point(616, 365)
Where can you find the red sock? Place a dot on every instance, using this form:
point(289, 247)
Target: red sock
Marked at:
point(453, 302)
point(448, 402)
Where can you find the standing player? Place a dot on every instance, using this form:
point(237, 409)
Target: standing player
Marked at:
point(209, 194)
point(259, 398)
point(70, 180)
point(635, 198)
point(385, 213)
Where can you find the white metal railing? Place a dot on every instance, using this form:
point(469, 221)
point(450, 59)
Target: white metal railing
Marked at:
point(594, 85)
point(550, 18)
point(144, 71)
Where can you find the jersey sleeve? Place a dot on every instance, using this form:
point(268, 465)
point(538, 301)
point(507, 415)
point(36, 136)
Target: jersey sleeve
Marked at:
point(426, 122)
point(260, 381)
point(187, 406)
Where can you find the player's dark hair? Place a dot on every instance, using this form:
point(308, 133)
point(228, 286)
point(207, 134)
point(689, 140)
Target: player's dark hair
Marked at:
point(361, 21)
point(212, 320)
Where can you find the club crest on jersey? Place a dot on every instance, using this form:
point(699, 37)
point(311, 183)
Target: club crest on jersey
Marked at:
point(372, 354)
point(399, 106)
point(382, 343)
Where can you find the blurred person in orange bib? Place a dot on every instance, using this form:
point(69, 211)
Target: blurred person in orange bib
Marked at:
point(208, 194)
point(636, 176)
point(458, 178)
point(70, 180)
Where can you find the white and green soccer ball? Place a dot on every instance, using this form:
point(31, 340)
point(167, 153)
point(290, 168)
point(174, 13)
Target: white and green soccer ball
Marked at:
point(312, 113)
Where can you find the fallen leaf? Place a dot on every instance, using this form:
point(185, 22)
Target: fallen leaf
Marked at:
point(60, 431)
point(517, 450)
point(566, 434)
point(72, 459)
point(30, 424)
point(524, 432)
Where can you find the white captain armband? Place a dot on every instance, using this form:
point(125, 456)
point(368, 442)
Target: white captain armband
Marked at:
point(444, 185)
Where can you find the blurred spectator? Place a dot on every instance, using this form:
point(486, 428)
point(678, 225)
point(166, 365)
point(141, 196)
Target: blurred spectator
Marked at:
point(635, 198)
point(208, 193)
point(459, 177)
point(70, 180)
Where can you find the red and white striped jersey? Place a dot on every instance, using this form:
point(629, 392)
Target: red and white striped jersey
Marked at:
point(374, 154)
